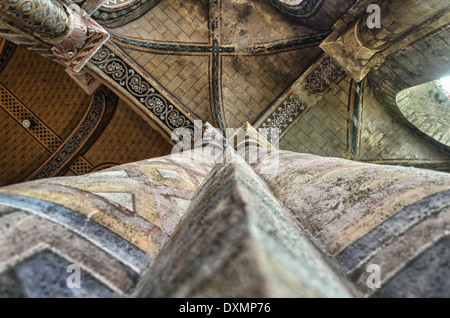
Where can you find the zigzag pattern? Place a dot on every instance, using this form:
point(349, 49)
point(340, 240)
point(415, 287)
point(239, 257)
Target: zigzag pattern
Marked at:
point(119, 223)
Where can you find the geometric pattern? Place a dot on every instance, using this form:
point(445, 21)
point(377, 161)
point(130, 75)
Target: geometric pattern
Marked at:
point(169, 174)
point(181, 205)
point(364, 214)
point(288, 109)
point(320, 79)
point(119, 219)
point(175, 227)
point(19, 112)
point(99, 112)
point(217, 51)
point(86, 38)
point(18, 37)
point(96, 118)
point(115, 13)
point(123, 199)
point(238, 242)
point(41, 233)
point(328, 129)
point(81, 166)
point(45, 17)
point(286, 114)
point(203, 43)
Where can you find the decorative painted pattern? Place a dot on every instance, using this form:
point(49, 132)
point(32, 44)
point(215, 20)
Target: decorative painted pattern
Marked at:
point(95, 120)
point(364, 214)
point(321, 78)
point(270, 48)
point(311, 229)
point(81, 166)
point(17, 110)
point(144, 91)
point(216, 51)
point(74, 38)
point(46, 17)
point(285, 115)
point(301, 96)
point(117, 220)
point(115, 13)
point(54, 227)
point(236, 228)
point(44, 135)
point(289, 45)
point(85, 40)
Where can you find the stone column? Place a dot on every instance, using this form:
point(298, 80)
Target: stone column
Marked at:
point(73, 35)
point(361, 215)
point(47, 19)
point(356, 46)
point(397, 18)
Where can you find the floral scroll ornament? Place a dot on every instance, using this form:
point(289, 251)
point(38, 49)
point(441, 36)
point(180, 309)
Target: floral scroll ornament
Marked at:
point(166, 112)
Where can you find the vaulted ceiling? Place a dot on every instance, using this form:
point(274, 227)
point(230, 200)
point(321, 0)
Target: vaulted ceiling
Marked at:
point(226, 64)
point(73, 133)
point(221, 61)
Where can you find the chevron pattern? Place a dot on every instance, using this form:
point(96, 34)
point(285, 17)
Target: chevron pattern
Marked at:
point(119, 219)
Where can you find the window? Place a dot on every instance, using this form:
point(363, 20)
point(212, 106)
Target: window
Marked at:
point(444, 85)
